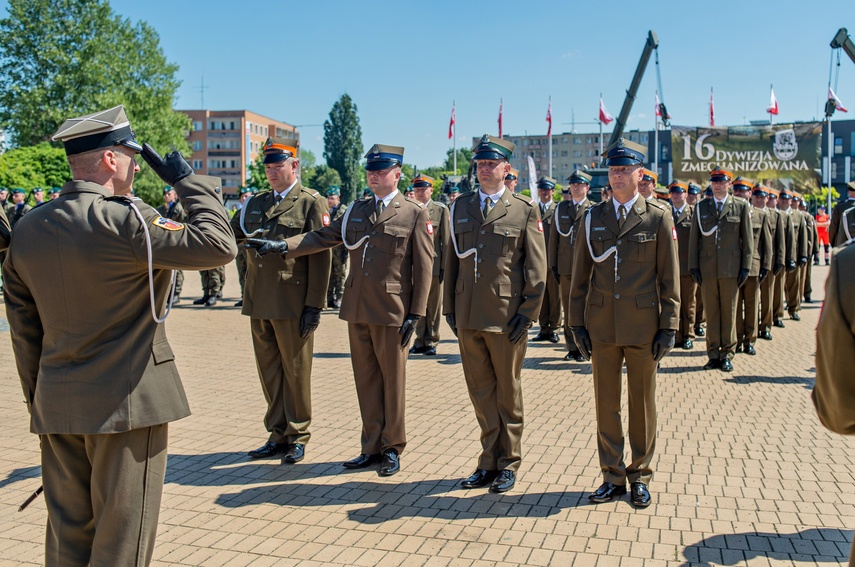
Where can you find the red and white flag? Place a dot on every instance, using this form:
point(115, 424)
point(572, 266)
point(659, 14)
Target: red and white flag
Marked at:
point(837, 104)
point(656, 110)
point(773, 103)
point(501, 102)
point(712, 109)
point(605, 117)
point(549, 118)
point(451, 124)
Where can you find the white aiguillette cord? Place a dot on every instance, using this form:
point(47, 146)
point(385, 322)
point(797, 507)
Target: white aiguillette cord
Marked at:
point(151, 271)
point(243, 215)
point(604, 256)
point(844, 220)
point(701, 227)
point(457, 252)
point(558, 223)
point(344, 235)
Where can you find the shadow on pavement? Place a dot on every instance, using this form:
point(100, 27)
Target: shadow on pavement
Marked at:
point(806, 382)
point(23, 473)
point(820, 545)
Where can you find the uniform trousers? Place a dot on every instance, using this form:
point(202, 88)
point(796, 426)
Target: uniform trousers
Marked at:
point(807, 289)
point(720, 295)
point(700, 316)
point(179, 282)
point(748, 311)
point(492, 366)
point(427, 328)
point(687, 309)
point(565, 307)
point(380, 373)
point(778, 295)
point(767, 289)
point(102, 494)
point(240, 262)
point(284, 362)
point(607, 360)
point(213, 280)
point(550, 309)
point(793, 289)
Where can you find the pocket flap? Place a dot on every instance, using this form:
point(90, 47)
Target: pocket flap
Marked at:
point(642, 237)
point(162, 352)
point(646, 300)
point(398, 231)
point(732, 218)
point(509, 231)
point(458, 288)
point(393, 287)
point(595, 298)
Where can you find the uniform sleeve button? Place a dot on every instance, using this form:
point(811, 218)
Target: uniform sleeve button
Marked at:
point(619, 241)
point(617, 296)
point(480, 245)
point(483, 232)
point(365, 273)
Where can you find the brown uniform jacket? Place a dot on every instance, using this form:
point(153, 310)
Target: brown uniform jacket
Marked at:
point(834, 391)
point(559, 251)
point(762, 252)
point(176, 213)
point(439, 219)
point(390, 272)
point(683, 224)
point(90, 357)
point(276, 287)
point(813, 236)
point(727, 250)
point(836, 230)
point(511, 263)
point(626, 308)
point(5, 231)
point(777, 234)
point(16, 213)
point(799, 233)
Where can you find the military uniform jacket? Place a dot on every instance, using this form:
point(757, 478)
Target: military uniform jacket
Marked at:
point(683, 225)
point(5, 231)
point(439, 219)
point(777, 234)
point(728, 249)
point(762, 252)
point(547, 219)
point(813, 237)
point(625, 300)
point(390, 270)
point(277, 287)
point(509, 256)
point(90, 357)
point(176, 212)
point(799, 232)
point(565, 220)
point(841, 215)
point(16, 213)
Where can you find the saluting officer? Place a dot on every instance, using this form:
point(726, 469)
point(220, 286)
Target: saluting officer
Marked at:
point(779, 253)
point(495, 281)
point(842, 225)
point(562, 240)
point(719, 261)
point(97, 371)
point(171, 209)
point(284, 298)
point(390, 239)
point(550, 310)
point(427, 328)
point(683, 214)
point(625, 306)
point(794, 277)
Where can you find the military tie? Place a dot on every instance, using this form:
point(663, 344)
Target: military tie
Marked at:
point(488, 206)
point(381, 206)
point(622, 211)
point(542, 210)
point(278, 199)
point(718, 205)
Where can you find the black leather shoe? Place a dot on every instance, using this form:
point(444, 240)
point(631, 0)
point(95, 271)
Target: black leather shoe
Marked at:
point(738, 348)
point(541, 336)
point(779, 323)
point(269, 449)
point(418, 350)
point(391, 463)
point(211, 301)
point(202, 300)
point(765, 335)
point(295, 453)
point(699, 331)
point(176, 300)
point(576, 356)
point(239, 303)
point(639, 496)
point(504, 482)
point(726, 366)
point(361, 461)
point(795, 316)
point(712, 364)
point(430, 351)
point(687, 344)
point(553, 337)
point(607, 492)
point(807, 297)
point(479, 478)
point(749, 349)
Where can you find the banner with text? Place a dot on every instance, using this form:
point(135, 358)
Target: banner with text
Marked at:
point(778, 155)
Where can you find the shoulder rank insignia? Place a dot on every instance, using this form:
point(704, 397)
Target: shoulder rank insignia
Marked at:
point(167, 224)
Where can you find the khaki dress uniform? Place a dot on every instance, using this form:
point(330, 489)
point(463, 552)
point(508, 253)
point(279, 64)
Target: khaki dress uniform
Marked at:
point(791, 262)
point(688, 288)
point(497, 271)
point(389, 278)
point(564, 234)
point(720, 246)
point(276, 293)
point(794, 282)
point(427, 328)
point(625, 288)
point(834, 391)
point(549, 318)
point(768, 286)
point(762, 253)
point(175, 212)
point(5, 232)
point(841, 227)
point(338, 266)
point(813, 250)
point(17, 212)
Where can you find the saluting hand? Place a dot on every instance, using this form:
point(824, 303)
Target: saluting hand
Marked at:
point(171, 170)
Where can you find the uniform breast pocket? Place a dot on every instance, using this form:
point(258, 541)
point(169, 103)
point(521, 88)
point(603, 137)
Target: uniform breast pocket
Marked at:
point(393, 239)
point(355, 231)
point(464, 233)
point(645, 246)
point(253, 221)
point(601, 241)
point(506, 239)
point(291, 225)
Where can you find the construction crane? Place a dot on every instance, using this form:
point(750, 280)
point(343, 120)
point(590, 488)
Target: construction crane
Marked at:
point(842, 40)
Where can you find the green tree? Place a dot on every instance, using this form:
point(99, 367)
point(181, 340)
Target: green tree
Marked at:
point(325, 177)
point(343, 146)
point(464, 156)
point(34, 166)
point(257, 177)
point(308, 165)
point(64, 58)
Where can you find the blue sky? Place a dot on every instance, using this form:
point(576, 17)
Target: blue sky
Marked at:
point(404, 63)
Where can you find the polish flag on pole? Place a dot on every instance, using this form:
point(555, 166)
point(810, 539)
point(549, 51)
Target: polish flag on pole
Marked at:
point(549, 117)
point(712, 110)
point(656, 110)
point(773, 103)
point(837, 104)
point(501, 102)
point(605, 117)
point(451, 124)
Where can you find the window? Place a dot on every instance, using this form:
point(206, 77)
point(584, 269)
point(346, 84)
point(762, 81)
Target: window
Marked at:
point(564, 153)
point(833, 170)
point(577, 141)
point(198, 125)
point(197, 164)
point(838, 146)
point(577, 153)
point(197, 145)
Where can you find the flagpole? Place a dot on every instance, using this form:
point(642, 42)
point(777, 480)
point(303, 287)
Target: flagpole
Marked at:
point(550, 137)
point(454, 135)
point(656, 138)
point(771, 90)
point(600, 120)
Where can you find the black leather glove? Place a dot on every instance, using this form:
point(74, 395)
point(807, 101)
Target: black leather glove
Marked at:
point(696, 276)
point(777, 269)
point(171, 170)
point(452, 322)
point(763, 273)
point(791, 265)
point(309, 320)
point(408, 327)
point(556, 274)
point(802, 260)
point(582, 340)
point(519, 324)
point(441, 275)
point(263, 246)
point(742, 277)
point(663, 342)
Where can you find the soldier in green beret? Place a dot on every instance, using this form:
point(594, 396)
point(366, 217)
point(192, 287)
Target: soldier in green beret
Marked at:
point(19, 206)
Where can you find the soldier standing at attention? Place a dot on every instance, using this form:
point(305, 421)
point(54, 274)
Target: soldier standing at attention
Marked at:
point(391, 241)
point(795, 278)
point(171, 209)
point(338, 271)
point(841, 228)
point(550, 310)
point(427, 328)
point(779, 251)
point(719, 261)
point(813, 250)
point(683, 214)
point(19, 207)
point(494, 286)
point(625, 306)
point(647, 186)
point(284, 298)
point(241, 259)
point(97, 371)
point(511, 180)
point(692, 198)
point(563, 238)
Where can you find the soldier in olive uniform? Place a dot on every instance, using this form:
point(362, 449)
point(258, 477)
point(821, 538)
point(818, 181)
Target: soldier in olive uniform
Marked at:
point(241, 258)
point(647, 187)
point(834, 392)
point(338, 270)
point(427, 328)
point(813, 250)
point(692, 198)
point(5, 234)
point(562, 240)
point(775, 220)
point(18, 207)
point(550, 310)
point(97, 371)
point(683, 214)
point(719, 261)
point(284, 298)
point(841, 228)
point(625, 306)
point(512, 179)
point(493, 290)
point(795, 275)
point(171, 209)
point(391, 238)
